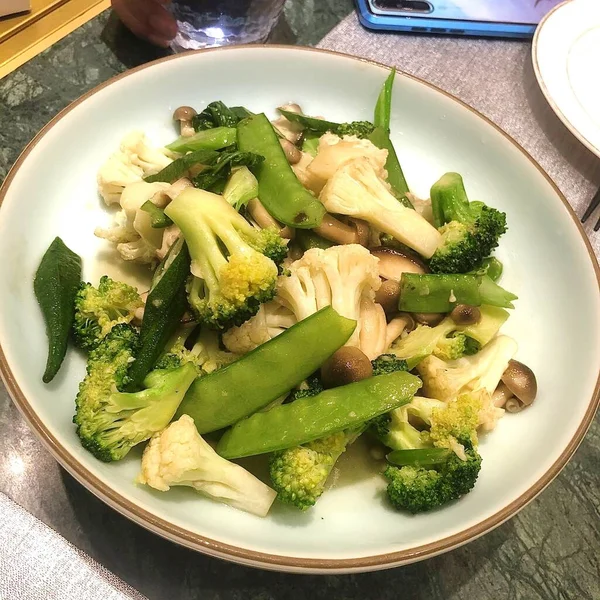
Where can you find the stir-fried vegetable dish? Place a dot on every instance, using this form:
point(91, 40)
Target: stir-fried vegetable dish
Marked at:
point(300, 298)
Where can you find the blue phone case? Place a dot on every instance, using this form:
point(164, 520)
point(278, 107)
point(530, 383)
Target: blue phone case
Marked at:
point(403, 23)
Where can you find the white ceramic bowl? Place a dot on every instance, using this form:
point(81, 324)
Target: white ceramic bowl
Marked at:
point(548, 262)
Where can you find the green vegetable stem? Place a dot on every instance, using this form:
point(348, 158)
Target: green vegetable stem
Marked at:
point(279, 190)
point(55, 285)
point(208, 139)
point(165, 305)
point(308, 419)
point(441, 293)
point(268, 372)
point(158, 219)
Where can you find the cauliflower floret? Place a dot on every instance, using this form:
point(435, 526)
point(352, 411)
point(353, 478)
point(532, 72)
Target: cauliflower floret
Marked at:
point(481, 371)
point(135, 159)
point(179, 456)
point(270, 320)
point(335, 151)
point(356, 190)
point(306, 178)
point(133, 233)
point(341, 277)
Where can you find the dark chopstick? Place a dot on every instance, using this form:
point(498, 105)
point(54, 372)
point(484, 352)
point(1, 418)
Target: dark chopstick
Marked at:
point(591, 208)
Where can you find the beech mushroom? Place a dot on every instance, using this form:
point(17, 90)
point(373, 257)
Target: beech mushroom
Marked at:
point(185, 114)
point(347, 365)
point(465, 314)
point(292, 153)
point(263, 219)
point(521, 382)
point(431, 319)
point(289, 130)
point(388, 296)
point(334, 230)
point(392, 263)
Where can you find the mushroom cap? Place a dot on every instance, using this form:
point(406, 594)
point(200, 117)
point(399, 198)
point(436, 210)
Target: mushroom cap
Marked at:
point(184, 113)
point(431, 319)
point(521, 381)
point(346, 365)
point(465, 314)
point(392, 263)
point(388, 295)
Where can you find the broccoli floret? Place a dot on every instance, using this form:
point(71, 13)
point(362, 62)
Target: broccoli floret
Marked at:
point(234, 265)
point(417, 489)
point(388, 363)
point(447, 340)
point(299, 474)
point(204, 352)
point(98, 310)
point(456, 420)
point(361, 129)
point(109, 422)
point(313, 386)
point(470, 231)
point(395, 429)
point(451, 348)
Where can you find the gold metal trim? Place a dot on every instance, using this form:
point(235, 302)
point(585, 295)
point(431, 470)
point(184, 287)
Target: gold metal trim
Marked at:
point(26, 36)
point(259, 559)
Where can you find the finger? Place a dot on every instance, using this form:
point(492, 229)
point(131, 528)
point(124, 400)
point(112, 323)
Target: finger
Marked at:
point(130, 21)
point(159, 20)
point(136, 17)
point(163, 24)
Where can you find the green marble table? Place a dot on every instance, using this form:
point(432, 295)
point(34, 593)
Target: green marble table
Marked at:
point(550, 551)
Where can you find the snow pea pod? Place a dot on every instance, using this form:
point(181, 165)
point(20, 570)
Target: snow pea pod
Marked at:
point(273, 369)
point(441, 293)
point(279, 190)
point(165, 306)
point(309, 419)
point(55, 285)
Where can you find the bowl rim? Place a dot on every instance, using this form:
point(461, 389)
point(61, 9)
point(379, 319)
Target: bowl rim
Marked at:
point(246, 556)
point(535, 59)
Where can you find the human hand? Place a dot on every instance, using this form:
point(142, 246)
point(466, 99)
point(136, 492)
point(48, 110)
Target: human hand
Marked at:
point(148, 19)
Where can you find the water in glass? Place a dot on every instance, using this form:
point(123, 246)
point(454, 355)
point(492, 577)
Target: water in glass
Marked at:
point(209, 23)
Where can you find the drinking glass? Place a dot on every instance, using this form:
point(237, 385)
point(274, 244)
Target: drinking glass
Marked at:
point(210, 23)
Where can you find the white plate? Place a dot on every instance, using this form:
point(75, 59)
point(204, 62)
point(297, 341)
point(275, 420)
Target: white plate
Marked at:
point(566, 52)
point(52, 191)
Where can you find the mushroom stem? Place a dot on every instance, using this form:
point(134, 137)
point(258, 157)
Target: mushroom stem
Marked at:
point(292, 153)
point(514, 405)
point(362, 231)
point(262, 217)
point(501, 395)
point(394, 329)
point(334, 230)
point(289, 130)
point(185, 114)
